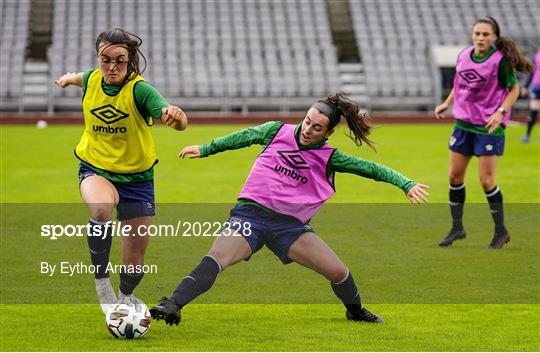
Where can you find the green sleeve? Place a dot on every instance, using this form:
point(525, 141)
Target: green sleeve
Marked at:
point(507, 75)
point(85, 77)
point(344, 163)
point(148, 100)
point(260, 135)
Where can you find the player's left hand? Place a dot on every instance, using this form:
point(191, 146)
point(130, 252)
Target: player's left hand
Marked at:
point(174, 117)
point(494, 121)
point(418, 194)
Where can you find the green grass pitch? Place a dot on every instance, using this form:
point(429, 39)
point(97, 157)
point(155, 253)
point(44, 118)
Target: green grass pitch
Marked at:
point(463, 298)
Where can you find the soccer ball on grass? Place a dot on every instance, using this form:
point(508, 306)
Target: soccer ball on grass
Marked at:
point(128, 321)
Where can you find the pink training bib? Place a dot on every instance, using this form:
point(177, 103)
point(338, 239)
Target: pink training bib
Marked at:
point(536, 76)
point(477, 94)
point(288, 180)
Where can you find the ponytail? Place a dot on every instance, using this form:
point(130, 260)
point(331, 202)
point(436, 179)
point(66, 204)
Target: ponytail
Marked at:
point(514, 54)
point(360, 124)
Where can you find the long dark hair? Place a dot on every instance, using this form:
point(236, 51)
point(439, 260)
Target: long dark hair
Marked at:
point(509, 48)
point(131, 41)
point(359, 123)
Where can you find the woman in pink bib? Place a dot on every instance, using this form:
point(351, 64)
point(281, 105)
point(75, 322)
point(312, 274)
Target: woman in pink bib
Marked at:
point(531, 87)
point(485, 88)
point(289, 182)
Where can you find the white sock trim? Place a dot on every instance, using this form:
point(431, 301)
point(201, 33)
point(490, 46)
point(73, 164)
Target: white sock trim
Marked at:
point(101, 223)
point(344, 279)
point(494, 192)
point(462, 186)
point(216, 261)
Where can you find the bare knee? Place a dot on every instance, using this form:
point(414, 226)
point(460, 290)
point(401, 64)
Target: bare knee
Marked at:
point(223, 259)
point(455, 178)
point(101, 212)
point(487, 181)
point(337, 274)
point(100, 196)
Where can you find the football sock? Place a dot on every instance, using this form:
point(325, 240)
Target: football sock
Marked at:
point(197, 282)
point(347, 292)
point(457, 200)
point(495, 200)
point(129, 281)
point(531, 120)
point(99, 243)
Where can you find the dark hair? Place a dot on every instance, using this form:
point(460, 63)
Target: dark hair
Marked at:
point(131, 41)
point(509, 48)
point(359, 124)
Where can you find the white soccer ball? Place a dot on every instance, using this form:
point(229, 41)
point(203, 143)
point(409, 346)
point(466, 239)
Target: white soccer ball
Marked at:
point(41, 124)
point(128, 321)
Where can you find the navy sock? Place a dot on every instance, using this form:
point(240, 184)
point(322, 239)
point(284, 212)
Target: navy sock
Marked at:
point(531, 120)
point(99, 246)
point(197, 282)
point(347, 292)
point(495, 200)
point(129, 281)
point(457, 201)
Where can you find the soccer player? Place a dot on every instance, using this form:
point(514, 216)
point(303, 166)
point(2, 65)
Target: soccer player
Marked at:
point(533, 81)
point(485, 88)
point(290, 181)
point(117, 155)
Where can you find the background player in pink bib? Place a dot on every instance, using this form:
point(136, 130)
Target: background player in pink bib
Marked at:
point(485, 88)
point(290, 180)
point(532, 88)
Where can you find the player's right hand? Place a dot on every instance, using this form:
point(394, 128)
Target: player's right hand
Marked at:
point(418, 194)
point(440, 110)
point(66, 79)
point(191, 151)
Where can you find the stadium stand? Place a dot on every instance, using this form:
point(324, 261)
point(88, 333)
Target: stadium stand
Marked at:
point(395, 40)
point(14, 15)
point(240, 50)
point(256, 55)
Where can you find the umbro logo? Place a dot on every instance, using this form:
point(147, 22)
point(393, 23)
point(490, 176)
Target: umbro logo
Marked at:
point(108, 114)
point(488, 147)
point(294, 159)
point(471, 76)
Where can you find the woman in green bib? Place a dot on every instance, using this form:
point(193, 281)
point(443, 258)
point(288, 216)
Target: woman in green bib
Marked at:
point(117, 156)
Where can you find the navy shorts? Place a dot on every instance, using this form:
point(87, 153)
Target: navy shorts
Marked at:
point(136, 199)
point(535, 92)
point(260, 227)
point(471, 144)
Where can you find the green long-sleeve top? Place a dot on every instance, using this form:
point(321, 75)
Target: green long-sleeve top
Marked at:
point(339, 162)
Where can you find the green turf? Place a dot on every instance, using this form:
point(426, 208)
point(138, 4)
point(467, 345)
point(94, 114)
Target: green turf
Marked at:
point(281, 328)
point(395, 259)
point(418, 151)
point(460, 299)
